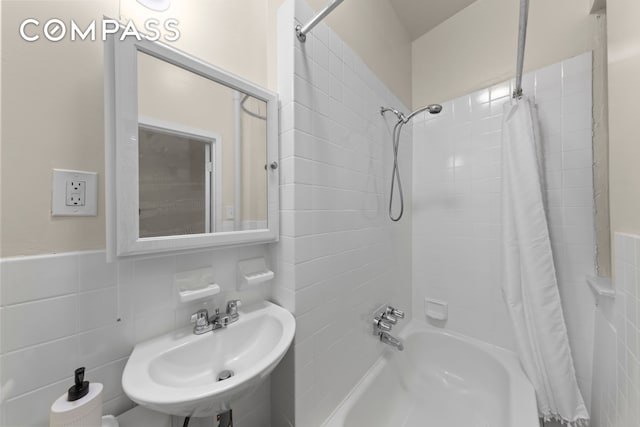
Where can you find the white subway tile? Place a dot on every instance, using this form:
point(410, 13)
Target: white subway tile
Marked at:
point(104, 345)
point(32, 409)
point(303, 118)
point(33, 278)
point(37, 322)
point(110, 376)
point(97, 308)
point(152, 287)
point(548, 82)
point(577, 66)
point(500, 90)
point(95, 272)
point(29, 369)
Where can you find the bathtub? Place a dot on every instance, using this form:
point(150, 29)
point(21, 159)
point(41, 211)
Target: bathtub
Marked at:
point(440, 379)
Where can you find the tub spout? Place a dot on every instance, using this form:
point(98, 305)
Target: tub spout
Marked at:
point(387, 338)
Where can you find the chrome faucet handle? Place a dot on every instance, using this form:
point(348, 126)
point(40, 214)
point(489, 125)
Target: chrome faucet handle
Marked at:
point(389, 318)
point(200, 317)
point(380, 324)
point(394, 312)
point(232, 306)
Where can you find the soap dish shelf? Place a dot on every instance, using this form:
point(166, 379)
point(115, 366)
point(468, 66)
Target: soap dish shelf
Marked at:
point(195, 284)
point(195, 294)
point(252, 272)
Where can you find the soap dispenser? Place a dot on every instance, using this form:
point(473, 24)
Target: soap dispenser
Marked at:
point(81, 406)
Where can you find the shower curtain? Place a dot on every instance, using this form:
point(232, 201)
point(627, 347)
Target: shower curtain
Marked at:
point(529, 281)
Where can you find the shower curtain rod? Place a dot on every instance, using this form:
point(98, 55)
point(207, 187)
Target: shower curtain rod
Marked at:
point(522, 36)
point(301, 31)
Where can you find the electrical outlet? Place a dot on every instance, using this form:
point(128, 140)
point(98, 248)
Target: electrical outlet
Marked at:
point(74, 193)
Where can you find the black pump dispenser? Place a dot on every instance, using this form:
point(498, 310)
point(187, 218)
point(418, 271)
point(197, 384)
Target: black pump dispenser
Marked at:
point(81, 387)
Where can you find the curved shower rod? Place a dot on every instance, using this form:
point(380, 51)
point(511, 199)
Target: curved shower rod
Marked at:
point(249, 112)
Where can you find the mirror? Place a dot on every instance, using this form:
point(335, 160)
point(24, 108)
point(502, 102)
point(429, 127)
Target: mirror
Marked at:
point(191, 153)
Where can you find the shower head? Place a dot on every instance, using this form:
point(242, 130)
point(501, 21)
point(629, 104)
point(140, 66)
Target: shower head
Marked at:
point(434, 108)
point(431, 108)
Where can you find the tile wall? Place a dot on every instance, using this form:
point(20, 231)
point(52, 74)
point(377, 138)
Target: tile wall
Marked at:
point(616, 365)
point(340, 256)
point(62, 311)
point(457, 196)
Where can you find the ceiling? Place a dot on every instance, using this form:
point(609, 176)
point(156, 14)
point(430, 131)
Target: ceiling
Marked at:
point(420, 16)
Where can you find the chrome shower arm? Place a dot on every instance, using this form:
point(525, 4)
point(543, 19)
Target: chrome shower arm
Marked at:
point(398, 114)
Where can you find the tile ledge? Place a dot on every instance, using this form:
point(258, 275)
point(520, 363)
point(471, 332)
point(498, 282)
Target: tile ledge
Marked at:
point(601, 287)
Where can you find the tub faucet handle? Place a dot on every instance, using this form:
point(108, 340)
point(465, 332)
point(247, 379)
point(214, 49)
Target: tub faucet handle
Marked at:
point(389, 318)
point(380, 324)
point(395, 312)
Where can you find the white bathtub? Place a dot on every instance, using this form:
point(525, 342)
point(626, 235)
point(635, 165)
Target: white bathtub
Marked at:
point(440, 379)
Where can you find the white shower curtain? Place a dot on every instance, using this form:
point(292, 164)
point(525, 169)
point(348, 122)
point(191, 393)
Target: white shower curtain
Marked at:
point(529, 281)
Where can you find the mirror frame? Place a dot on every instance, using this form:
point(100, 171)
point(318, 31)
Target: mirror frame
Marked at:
point(121, 151)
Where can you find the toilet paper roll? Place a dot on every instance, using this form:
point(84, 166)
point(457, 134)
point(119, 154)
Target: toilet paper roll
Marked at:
point(84, 412)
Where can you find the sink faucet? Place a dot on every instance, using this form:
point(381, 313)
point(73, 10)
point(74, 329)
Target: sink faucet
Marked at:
point(383, 322)
point(205, 324)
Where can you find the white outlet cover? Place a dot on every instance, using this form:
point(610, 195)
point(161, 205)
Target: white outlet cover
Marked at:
point(59, 185)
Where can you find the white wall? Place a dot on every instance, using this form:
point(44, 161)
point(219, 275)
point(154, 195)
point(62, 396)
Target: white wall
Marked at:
point(53, 105)
point(373, 30)
point(623, 40)
point(63, 311)
point(457, 197)
point(477, 47)
point(616, 369)
point(340, 257)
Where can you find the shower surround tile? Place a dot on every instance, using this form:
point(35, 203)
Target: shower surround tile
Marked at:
point(616, 367)
point(457, 214)
point(342, 254)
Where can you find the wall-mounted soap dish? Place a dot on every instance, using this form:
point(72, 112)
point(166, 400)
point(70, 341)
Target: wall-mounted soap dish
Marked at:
point(195, 284)
point(436, 310)
point(252, 272)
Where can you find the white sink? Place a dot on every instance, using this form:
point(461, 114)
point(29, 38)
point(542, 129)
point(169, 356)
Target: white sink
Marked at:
point(177, 373)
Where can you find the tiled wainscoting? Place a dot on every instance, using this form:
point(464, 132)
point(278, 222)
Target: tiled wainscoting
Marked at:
point(616, 364)
point(457, 196)
point(340, 256)
point(63, 311)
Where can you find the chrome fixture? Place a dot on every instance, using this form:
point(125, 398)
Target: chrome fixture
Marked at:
point(301, 31)
point(395, 175)
point(383, 321)
point(201, 319)
point(387, 338)
point(232, 310)
point(204, 324)
point(522, 37)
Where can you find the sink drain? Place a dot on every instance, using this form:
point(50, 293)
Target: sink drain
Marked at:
point(225, 375)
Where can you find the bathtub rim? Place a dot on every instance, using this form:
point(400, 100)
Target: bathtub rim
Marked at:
point(519, 384)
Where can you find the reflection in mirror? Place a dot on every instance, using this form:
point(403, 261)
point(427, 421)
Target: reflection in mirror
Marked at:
point(202, 153)
point(175, 183)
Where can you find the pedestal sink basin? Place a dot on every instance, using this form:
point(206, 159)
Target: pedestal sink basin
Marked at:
point(178, 373)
